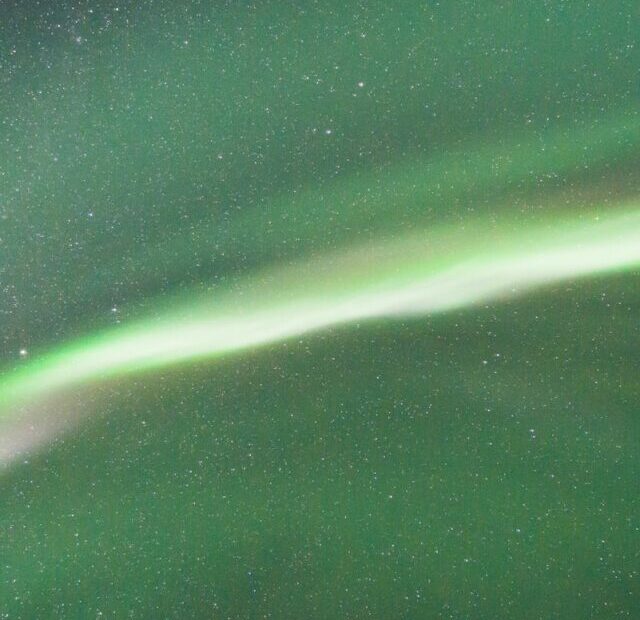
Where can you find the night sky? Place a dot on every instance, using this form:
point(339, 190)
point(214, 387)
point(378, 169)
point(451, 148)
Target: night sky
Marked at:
point(319, 309)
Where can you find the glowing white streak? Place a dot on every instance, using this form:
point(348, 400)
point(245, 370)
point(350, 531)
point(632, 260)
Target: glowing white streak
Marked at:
point(412, 286)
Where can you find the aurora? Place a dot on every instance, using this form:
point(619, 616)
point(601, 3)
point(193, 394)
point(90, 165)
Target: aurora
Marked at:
point(424, 273)
point(319, 309)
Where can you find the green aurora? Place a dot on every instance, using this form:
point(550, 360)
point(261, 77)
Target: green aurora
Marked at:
point(412, 275)
point(319, 310)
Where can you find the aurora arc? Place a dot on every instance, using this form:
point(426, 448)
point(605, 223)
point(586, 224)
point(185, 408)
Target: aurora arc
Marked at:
point(417, 274)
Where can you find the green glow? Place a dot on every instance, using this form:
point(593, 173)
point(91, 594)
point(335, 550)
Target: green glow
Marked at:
point(413, 192)
point(420, 273)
